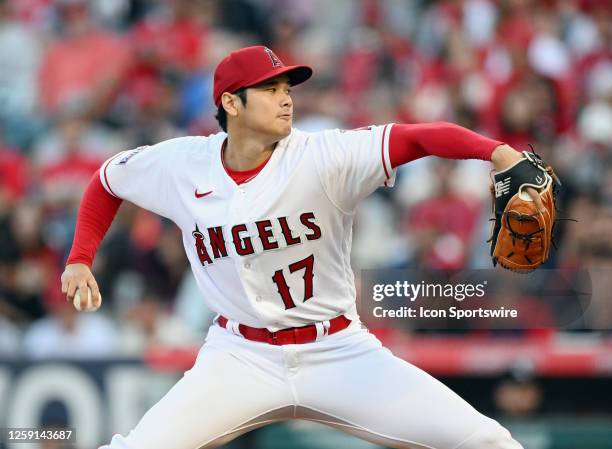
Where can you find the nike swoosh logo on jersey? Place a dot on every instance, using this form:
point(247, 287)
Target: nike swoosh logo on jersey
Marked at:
point(200, 195)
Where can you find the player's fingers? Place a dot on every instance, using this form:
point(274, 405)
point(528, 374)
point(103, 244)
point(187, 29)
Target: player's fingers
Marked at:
point(535, 196)
point(84, 294)
point(71, 289)
point(95, 292)
point(65, 282)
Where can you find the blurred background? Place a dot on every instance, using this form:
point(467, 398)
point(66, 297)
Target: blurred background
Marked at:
point(82, 80)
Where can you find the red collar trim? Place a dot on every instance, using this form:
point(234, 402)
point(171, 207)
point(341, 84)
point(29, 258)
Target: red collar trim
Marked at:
point(240, 177)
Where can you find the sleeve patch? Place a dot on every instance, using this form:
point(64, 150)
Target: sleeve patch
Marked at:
point(124, 160)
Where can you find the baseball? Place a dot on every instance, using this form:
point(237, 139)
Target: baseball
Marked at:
point(89, 306)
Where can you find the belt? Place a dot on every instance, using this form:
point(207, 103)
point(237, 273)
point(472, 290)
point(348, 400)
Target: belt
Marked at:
point(289, 336)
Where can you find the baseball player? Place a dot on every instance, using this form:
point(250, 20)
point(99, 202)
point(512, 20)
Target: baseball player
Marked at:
point(266, 213)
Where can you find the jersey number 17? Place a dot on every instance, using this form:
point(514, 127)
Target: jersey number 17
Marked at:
point(307, 265)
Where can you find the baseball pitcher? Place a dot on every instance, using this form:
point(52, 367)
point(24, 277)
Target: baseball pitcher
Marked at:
point(266, 214)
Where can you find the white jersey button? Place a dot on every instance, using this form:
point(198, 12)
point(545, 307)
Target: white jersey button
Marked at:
point(247, 265)
point(258, 298)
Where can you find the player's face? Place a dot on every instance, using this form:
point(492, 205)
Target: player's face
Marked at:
point(269, 108)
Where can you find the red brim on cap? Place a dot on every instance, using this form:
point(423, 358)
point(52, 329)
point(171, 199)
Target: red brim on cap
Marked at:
point(297, 74)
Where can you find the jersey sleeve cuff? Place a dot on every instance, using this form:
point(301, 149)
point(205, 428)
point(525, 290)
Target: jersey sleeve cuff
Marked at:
point(104, 174)
point(389, 171)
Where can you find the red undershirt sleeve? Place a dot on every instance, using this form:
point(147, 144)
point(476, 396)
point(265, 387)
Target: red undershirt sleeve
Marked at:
point(96, 213)
point(442, 139)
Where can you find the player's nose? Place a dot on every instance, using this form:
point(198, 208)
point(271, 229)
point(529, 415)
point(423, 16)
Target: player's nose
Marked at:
point(286, 101)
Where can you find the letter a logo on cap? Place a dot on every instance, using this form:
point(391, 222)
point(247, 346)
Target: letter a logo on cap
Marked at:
point(275, 61)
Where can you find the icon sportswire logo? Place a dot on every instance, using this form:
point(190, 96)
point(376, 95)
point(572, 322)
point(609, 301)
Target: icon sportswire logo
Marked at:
point(200, 195)
point(502, 187)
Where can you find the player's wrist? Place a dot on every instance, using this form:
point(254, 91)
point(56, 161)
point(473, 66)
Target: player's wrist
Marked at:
point(75, 263)
point(504, 156)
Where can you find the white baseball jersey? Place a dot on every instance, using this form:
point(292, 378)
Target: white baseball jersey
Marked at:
point(273, 252)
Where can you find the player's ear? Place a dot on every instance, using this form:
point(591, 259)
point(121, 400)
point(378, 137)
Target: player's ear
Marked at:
point(230, 103)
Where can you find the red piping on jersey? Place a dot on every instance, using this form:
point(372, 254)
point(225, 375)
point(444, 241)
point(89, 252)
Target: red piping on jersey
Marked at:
point(106, 178)
point(382, 154)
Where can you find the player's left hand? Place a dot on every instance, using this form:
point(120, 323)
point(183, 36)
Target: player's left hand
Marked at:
point(504, 157)
point(523, 197)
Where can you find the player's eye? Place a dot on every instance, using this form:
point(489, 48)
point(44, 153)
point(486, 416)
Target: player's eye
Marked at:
point(288, 91)
point(271, 89)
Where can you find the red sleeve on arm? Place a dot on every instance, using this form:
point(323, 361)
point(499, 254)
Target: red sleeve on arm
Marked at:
point(443, 139)
point(96, 213)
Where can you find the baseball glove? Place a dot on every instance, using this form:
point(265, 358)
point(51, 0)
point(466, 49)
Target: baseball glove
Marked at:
point(522, 234)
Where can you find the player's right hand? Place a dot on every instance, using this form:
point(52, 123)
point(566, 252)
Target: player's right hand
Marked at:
point(79, 276)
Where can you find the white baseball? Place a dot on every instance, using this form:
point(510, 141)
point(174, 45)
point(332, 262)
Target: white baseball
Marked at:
point(89, 306)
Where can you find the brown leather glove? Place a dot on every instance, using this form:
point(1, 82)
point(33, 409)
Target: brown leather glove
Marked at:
point(522, 235)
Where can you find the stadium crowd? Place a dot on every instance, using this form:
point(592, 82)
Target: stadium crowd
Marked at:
point(82, 80)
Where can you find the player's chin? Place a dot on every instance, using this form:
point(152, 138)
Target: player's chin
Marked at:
point(283, 126)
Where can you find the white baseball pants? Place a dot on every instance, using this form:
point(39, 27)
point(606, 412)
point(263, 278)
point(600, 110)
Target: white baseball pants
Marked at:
point(347, 380)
